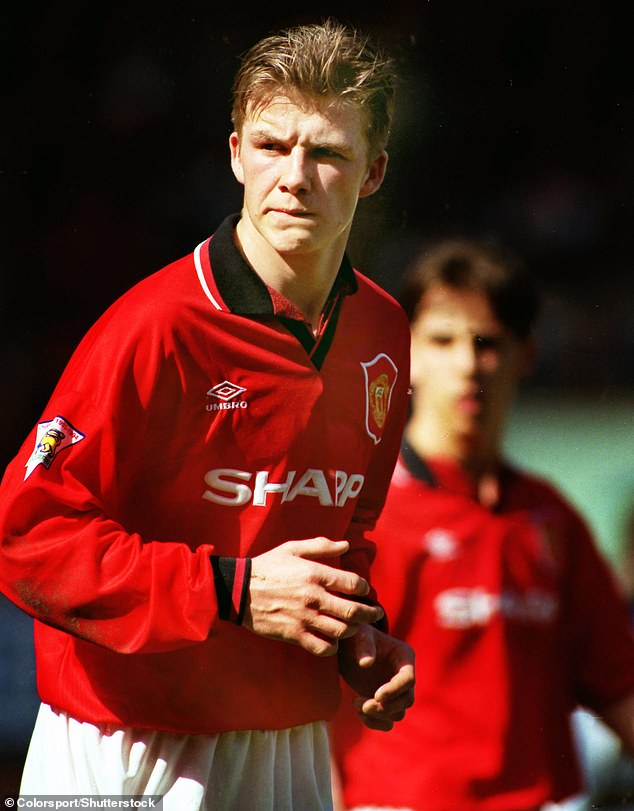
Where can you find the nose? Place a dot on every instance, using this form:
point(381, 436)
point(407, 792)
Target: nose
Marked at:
point(295, 174)
point(466, 356)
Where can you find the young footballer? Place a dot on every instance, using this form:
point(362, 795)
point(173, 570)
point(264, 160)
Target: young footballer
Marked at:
point(187, 523)
point(486, 571)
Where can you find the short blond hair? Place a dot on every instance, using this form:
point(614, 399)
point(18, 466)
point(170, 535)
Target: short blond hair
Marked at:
point(320, 61)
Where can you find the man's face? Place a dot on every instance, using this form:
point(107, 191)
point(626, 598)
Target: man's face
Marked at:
point(465, 364)
point(303, 169)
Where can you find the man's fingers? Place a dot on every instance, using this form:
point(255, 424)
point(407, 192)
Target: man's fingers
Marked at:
point(350, 611)
point(330, 577)
point(317, 645)
point(395, 708)
point(401, 683)
point(376, 723)
point(331, 628)
point(313, 548)
point(342, 581)
point(363, 648)
point(377, 715)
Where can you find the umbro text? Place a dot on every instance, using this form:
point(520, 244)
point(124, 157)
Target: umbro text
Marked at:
point(225, 406)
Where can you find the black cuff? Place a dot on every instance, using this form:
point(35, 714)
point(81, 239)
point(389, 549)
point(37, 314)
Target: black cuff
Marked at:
point(231, 578)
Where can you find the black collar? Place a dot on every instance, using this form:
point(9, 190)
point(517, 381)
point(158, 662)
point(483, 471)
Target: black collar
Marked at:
point(242, 290)
point(421, 470)
point(417, 465)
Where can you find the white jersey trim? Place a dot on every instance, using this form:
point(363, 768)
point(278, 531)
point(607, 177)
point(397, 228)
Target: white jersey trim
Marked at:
point(201, 276)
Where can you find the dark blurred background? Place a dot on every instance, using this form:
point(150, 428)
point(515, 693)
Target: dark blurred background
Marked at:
point(513, 120)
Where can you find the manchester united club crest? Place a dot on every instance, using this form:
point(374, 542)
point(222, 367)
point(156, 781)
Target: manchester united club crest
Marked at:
point(380, 377)
point(52, 437)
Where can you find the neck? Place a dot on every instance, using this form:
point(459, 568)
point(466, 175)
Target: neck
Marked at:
point(305, 279)
point(482, 463)
point(476, 453)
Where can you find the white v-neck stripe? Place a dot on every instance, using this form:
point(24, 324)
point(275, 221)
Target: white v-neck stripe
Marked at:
point(201, 276)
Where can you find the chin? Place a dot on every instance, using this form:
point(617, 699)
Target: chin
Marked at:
point(292, 245)
point(470, 428)
point(289, 234)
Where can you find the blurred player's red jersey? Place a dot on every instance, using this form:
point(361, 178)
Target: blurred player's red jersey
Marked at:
point(515, 619)
point(221, 427)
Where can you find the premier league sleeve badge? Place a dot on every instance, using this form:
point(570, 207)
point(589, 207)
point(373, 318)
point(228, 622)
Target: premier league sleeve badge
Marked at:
point(52, 437)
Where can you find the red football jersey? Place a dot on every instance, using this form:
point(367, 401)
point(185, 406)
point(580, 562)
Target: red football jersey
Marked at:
point(515, 619)
point(198, 416)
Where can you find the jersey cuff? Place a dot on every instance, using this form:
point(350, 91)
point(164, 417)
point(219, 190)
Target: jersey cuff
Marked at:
point(231, 578)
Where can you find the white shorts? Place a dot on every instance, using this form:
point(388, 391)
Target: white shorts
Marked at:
point(274, 770)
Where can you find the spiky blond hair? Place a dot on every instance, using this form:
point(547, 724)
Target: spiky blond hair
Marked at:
point(320, 61)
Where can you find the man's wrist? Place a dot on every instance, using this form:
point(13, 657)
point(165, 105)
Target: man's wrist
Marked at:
point(231, 578)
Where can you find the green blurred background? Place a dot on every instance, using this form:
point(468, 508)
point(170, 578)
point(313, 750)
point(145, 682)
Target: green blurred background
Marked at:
point(585, 444)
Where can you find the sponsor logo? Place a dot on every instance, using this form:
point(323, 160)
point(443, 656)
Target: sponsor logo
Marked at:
point(234, 488)
point(52, 437)
point(380, 377)
point(224, 396)
point(440, 544)
point(472, 608)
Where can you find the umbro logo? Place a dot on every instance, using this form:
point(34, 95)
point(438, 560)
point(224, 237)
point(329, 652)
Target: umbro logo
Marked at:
point(226, 391)
point(225, 396)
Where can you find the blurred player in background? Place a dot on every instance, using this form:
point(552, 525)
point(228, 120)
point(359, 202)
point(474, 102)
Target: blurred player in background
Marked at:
point(187, 522)
point(486, 571)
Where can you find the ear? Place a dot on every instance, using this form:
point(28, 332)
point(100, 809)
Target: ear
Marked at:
point(236, 162)
point(375, 175)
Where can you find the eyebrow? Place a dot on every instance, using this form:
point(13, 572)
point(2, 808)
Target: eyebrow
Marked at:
point(266, 134)
point(263, 134)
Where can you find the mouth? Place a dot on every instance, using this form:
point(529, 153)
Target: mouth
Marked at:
point(292, 212)
point(471, 404)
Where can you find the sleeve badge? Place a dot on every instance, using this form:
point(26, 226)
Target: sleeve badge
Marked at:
point(52, 437)
point(380, 377)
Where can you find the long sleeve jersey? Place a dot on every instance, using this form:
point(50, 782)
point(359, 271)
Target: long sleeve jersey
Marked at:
point(199, 416)
point(515, 618)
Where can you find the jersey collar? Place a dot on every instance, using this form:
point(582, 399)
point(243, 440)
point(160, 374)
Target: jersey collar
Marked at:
point(416, 465)
point(447, 474)
point(231, 284)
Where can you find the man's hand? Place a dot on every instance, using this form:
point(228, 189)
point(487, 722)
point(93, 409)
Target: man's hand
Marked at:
point(380, 669)
point(295, 597)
